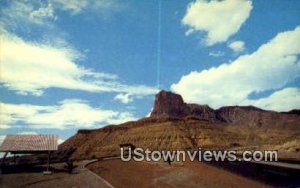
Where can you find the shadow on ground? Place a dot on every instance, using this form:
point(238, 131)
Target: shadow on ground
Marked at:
point(275, 176)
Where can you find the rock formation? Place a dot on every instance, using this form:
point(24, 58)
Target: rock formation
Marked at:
point(171, 105)
point(174, 125)
point(168, 104)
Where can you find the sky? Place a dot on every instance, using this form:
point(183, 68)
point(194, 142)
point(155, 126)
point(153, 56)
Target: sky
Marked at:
point(82, 64)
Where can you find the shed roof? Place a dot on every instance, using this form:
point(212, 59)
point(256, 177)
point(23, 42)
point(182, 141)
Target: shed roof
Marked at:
point(27, 143)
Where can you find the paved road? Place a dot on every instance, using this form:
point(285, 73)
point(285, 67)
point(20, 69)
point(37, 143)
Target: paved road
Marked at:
point(279, 164)
point(279, 174)
point(82, 178)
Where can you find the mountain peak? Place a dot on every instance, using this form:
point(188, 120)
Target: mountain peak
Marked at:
point(171, 105)
point(168, 104)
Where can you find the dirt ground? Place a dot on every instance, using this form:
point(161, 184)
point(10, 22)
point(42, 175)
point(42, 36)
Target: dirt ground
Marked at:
point(160, 174)
point(83, 178)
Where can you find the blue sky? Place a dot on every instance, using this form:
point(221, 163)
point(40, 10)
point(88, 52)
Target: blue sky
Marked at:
point(67, 65)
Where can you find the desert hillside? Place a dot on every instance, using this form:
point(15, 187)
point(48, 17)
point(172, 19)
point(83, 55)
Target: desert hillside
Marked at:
point(173, 125)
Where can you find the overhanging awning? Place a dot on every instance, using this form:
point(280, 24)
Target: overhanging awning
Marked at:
point(29, 143)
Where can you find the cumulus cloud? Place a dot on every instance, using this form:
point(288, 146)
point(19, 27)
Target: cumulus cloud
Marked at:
point(282, 100)
point(218, 19)
point(40, 66)
point(124, 98)
point(237, 46)
point(271, 66)
point(72, 113)
point(52, 63)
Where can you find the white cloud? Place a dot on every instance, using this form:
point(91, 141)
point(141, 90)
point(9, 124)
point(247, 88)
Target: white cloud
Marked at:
point(3, 126)
point(216, 53)
point(78, 6)
point(2, 137)
point(149, 114)
point(67, 114)
point(219, 19)
point(272, 66)
point(124, 98)
point(282, 100)
point(74, 6)
point(27, 12)
point(60, 141)
point(28, 133)
point(40, 66)
point(237, 46)
point(43, 12)
point(52, 63)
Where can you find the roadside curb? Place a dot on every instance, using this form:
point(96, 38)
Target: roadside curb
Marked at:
point(96, 175)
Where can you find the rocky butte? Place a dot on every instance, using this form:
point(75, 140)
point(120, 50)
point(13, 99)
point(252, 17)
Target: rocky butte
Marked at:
point(174, 124)
point(168, 104)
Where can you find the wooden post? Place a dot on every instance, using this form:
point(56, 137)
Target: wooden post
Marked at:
point(48, 172)
point(3, 158)
point(48, 166)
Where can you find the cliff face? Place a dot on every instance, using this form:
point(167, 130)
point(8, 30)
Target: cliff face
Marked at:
point(171, 105)
point(168, 104)
point(174, 125)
